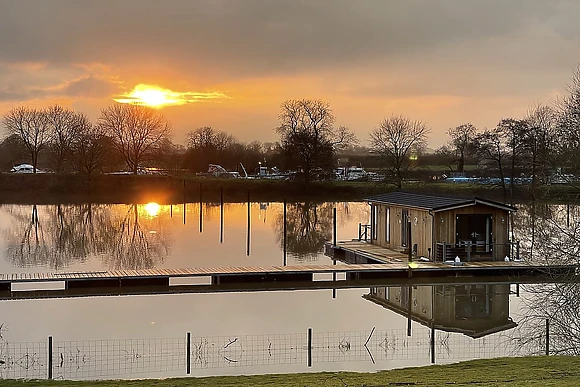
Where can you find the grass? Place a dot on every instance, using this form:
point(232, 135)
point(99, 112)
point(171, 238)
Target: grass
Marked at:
point(525, 371)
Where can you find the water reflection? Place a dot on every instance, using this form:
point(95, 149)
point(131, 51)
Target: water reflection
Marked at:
point(308, 226)
point(123, 237)
point(475, 310)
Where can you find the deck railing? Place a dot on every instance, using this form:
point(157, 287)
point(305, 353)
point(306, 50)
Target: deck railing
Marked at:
point(364, 232)
point(487, 251)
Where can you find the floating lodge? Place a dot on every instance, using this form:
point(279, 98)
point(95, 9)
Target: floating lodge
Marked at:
point(431, 228)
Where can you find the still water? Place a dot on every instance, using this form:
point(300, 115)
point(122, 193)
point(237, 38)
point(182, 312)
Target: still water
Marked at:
point(362, 329)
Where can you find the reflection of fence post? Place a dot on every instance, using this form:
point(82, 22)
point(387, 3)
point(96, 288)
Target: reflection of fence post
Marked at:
point(309, 347)
point(188, 353)
point(547, 337)
point(49, 357)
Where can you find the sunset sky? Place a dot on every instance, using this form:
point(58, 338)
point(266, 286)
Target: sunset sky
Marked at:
point(443, 61)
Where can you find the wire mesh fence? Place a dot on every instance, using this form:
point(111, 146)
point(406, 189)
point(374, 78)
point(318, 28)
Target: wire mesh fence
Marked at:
point(128, 358)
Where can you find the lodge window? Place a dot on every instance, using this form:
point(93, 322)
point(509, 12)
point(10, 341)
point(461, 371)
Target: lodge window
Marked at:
point(387, 225)
point(374, 221)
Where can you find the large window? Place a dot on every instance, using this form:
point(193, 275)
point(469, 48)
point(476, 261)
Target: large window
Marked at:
point(387, 225)
point(374, 221)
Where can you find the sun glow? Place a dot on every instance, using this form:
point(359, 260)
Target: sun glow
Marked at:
point(157, 97)
point(152, 209)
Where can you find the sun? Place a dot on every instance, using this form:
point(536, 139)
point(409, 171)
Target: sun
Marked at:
point(157, 97)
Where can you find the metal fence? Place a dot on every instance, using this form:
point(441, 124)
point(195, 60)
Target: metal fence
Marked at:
point(126, 358)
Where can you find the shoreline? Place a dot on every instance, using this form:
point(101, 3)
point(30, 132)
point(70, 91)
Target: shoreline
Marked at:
point(129, 189)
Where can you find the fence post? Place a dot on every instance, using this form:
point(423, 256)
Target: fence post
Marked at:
point(433, 343)
point(50, 357)
point(221, 215)
point(285, 232)
point(444, 251)
point(200, 208)
point(359, 231)
point(547, 337)
point(518, 250)
point(309, 347)
point(188, 353)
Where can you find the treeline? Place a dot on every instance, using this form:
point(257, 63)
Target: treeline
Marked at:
point(540, 147)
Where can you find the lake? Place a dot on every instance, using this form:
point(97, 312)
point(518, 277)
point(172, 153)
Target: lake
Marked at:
point(359, 329)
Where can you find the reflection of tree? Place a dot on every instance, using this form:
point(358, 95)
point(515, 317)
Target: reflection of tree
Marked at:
point(136, 245)
point(59, 236)
point(309, 225)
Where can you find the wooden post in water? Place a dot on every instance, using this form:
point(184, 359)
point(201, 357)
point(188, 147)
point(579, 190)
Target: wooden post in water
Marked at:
point(568, 215)
point(410, 247)
point(188, 356)
point(517, 290)
point(285, 232)
point(184, 202)
point(547, 337)
point(249, 225)
point(49, 367)
point(309, 347)
point(171, 210)
point(200, 208)
point(334, 226)
point(221, 215)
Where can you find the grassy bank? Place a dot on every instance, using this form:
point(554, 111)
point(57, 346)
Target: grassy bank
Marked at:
point(54, 188)
point(529, 371)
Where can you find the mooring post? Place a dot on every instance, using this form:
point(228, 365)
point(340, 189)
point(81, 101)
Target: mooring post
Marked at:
point(285, 231)
point(334, 226)
point(200, 208)
point(171, 210)
point(547, 337)
point(249, 225)
point(49, 357)
point(188, 353)
point(410, 248)
point(221, 215)
point(309, 347)
point(568, 215)
point(184, 202)
point(433, 343)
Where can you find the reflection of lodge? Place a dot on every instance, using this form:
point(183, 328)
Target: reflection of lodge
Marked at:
point(476, 310)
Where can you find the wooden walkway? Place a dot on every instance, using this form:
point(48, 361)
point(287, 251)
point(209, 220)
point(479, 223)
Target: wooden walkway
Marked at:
point(160, 277)
point(366, 251)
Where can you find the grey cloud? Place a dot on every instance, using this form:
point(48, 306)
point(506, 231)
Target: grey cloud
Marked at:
point(89, 86)
point(257, 36)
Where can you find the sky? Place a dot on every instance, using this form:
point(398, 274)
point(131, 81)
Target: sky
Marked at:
point(445, 62)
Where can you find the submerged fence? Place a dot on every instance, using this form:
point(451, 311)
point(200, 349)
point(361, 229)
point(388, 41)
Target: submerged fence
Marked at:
point(150, 357)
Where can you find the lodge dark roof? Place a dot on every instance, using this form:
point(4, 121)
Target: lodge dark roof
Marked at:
point(432, 203)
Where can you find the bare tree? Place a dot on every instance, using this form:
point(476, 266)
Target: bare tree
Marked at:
point(568, 128)
point(490, 148)
point(541, 143)
point(32, 127)
point(461, 143)
point(65, 125)
point(136, 131)
point(90, 148)
point(395, 139)
point(308, 135)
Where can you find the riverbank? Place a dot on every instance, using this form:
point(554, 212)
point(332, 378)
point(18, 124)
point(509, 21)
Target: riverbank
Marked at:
point(54, 188)
point(514, 372)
